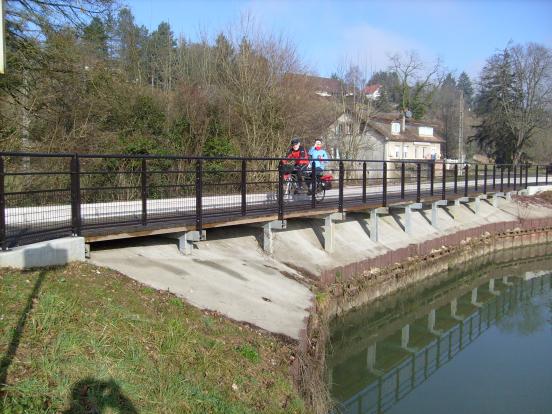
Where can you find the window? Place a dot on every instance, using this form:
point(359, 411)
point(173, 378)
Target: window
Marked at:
point(349, 128)
point(339, 129)
point(397, 151)
point(405, 151)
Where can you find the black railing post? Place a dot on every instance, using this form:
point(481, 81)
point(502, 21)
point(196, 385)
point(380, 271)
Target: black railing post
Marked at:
point(465, 180)
point(418, 181)
point(432, 175)
point(444, 177)
point(243, 187)
point(3, 241)
point(281, 191)
point(313, 185)
point(455, 178)
point(485, 179)
point(515, 177)
point(144, 187)
point(502, 178)
point(402, 180)
point(476, 177)
point(199, 195)
point(76, 218)
point(494, 177)
point(526, 175)
point(341, 185)
point(546, 174)
point(364, 183)
point(384, 185)
point(537, 175)
point(509, 173)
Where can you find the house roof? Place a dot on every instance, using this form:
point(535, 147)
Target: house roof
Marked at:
point(409, 135)
point(371, 89)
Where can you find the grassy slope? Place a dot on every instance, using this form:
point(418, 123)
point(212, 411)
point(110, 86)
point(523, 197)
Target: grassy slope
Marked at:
point(94, 339)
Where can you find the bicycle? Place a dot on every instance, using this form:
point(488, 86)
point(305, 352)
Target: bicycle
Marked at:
point(291, 191)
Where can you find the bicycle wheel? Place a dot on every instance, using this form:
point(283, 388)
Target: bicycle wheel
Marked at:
point(320, 193)
point(290, 185)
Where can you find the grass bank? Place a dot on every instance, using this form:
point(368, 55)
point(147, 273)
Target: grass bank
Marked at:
point(79, 339)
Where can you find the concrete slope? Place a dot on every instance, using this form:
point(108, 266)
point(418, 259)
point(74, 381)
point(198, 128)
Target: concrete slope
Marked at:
point(228, 275)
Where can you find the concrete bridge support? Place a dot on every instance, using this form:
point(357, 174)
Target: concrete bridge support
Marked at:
point(434, 210)
point(329, 230)
point(454, 310)
point(371, 357)
point(474, 301)
point(408, 215)
point(374, 222)
point(405, 336)
point(268, 239)
point(477, 201)
point(506, 282)
point(492, 290)
point(187, 239)
point(431, 323)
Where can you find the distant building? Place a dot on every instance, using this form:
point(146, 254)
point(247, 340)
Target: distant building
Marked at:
point(381, 139)
point(372, 92)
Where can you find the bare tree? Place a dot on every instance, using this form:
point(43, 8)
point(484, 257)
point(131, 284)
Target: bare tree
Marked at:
point(416, 79)
point(532, 78)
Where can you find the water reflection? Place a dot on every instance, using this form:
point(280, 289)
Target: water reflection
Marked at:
point(381, 353)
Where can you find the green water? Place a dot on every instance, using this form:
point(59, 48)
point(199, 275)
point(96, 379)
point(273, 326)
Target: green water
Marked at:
point(473, 340)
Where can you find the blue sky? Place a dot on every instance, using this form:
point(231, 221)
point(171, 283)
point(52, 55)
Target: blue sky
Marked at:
point(330, 34)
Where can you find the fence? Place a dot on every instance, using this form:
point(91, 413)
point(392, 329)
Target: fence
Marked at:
point(44, 196)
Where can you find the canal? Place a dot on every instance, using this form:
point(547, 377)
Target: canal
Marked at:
point(476, 339)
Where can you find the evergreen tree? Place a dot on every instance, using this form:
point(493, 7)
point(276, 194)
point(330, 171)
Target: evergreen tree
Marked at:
point(493, 135)
point(95, 38)
point(465, 85)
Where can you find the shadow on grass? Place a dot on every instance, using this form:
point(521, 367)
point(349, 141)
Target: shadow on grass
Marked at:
point(7, 359)
point(95, 396)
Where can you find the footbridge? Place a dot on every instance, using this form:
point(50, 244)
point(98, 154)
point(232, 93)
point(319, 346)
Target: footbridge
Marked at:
point(45, 196)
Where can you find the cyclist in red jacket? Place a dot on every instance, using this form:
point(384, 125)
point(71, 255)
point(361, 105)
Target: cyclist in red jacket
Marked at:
point(300, 156)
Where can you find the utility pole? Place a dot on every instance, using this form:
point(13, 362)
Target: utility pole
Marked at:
point(461, 154)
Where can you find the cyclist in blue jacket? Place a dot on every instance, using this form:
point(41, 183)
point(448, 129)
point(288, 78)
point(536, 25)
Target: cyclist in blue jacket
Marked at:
point(318, 155)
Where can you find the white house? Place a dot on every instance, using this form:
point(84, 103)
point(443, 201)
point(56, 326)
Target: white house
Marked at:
point(372, 92)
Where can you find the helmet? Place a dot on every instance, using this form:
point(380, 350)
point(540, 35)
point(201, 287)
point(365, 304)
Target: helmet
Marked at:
point(295, 140)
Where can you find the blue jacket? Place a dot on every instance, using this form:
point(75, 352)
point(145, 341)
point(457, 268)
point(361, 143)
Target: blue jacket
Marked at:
point(317, 155)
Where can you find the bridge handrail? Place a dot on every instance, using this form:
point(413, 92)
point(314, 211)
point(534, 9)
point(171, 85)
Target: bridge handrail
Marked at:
point(207, 189)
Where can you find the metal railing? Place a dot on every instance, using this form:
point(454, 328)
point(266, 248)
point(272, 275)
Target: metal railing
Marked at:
point(44, 196)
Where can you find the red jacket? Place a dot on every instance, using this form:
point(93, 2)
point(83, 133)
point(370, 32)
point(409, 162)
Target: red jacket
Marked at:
point(301, 156)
